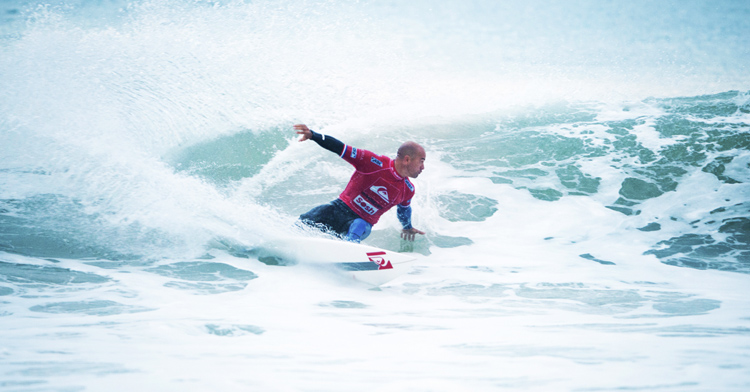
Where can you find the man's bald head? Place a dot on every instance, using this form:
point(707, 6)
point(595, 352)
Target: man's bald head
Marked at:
point(409, 149)
point(410, 159)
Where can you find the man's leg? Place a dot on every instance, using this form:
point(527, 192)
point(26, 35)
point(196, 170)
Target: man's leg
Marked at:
point(319, 217)
point(359, 229)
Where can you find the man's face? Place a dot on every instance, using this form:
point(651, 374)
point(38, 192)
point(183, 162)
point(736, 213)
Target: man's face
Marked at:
point(416, 164)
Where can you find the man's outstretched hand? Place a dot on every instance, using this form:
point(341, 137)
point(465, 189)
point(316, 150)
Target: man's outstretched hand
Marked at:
point(410, 234)
point(303, 130)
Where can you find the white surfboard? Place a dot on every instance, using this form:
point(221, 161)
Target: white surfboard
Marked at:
point(365, 263)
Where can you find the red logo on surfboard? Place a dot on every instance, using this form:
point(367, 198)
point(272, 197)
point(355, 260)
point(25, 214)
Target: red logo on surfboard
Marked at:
point(377, 258)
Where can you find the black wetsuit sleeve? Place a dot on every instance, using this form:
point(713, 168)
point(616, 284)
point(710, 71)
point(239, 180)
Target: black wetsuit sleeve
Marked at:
point(404, 216)
point(328, 142)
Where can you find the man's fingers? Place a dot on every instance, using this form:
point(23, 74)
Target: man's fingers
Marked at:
point(411, 234)
point(303, 130)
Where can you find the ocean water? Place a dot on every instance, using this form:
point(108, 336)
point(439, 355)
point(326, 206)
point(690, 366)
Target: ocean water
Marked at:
point(586, 197)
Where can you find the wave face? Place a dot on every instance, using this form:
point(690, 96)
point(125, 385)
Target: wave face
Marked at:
point(585, 197)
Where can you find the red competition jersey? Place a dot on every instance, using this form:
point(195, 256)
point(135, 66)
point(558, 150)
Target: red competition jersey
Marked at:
point(375, 186)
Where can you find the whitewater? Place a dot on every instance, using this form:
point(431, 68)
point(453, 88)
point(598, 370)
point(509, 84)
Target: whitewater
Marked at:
point(585, 198)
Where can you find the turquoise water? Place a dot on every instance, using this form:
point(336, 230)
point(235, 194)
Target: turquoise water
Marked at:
point(585, 197)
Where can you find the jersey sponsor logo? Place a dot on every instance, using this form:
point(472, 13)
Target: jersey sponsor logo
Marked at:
point(380, 191)
point(365, 205)
point(377, 258)
point(354, 152)
point(409, 184)
point(376, 161)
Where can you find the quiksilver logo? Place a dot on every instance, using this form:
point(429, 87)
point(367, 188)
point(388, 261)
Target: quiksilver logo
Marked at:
point(380, 191)
point(379, 259)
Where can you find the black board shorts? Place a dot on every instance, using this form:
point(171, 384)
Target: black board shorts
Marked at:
point(335, 216)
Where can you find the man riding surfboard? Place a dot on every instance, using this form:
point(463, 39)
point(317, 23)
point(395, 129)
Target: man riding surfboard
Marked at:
point(378, 184)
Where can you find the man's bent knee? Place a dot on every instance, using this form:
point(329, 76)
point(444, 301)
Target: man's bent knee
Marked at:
point(359, 229)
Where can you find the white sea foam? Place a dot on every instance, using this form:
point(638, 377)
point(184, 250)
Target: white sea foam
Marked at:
point(121, 237)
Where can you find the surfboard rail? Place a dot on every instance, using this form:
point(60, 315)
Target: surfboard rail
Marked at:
point(364, 263)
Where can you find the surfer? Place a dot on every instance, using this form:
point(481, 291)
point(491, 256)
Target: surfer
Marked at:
point(378, 184)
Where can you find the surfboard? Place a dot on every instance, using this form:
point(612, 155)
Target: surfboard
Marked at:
point(364, 263)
